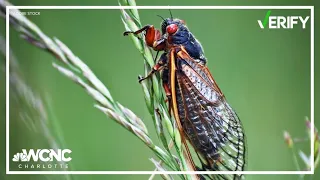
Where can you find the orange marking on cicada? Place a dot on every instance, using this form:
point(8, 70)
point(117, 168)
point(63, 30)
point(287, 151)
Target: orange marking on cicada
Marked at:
point(168, 94)
point(152, 37)
point(167, 89)
point(191, 164)
point(184, 55)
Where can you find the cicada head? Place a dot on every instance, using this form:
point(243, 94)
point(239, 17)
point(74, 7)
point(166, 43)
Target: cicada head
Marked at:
point(172, 26)
point(177, 33)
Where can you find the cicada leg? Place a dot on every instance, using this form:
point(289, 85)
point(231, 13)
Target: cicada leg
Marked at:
point(158, 67)
point(152, 37)
point(145, 28)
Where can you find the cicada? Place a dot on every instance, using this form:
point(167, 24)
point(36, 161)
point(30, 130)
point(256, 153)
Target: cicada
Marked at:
point(200, 109)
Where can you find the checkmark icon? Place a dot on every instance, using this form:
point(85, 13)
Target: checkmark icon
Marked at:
point(265, 21)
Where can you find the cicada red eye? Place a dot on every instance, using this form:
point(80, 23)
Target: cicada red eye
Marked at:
point(172, 28)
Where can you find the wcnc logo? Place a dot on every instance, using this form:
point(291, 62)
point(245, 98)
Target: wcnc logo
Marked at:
point(47, 158)
point(283, 22)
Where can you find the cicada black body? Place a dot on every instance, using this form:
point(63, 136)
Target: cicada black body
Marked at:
point(200, 109)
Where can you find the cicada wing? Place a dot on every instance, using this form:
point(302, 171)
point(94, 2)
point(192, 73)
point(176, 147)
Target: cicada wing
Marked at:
point(210, 124)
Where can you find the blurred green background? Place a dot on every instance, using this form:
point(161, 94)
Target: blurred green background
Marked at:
point(265, 75)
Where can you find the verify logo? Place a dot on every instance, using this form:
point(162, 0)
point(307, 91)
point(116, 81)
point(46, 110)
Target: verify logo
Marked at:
point(282, 22)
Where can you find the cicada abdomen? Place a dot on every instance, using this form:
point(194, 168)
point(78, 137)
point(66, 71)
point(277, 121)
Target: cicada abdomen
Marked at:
point(200, 109)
